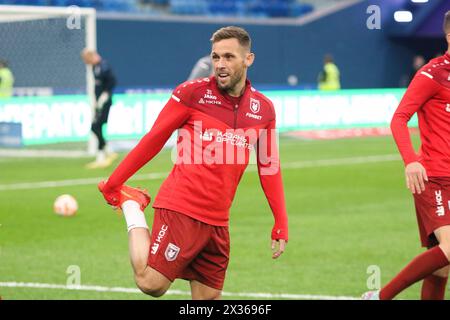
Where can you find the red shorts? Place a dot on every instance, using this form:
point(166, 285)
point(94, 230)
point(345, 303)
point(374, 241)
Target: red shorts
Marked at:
point(433, 209)
point(182, 247)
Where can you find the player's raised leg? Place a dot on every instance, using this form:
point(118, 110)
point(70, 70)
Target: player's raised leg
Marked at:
point(422, 266)
point(147, 279)
point(132, 202)
point(434, 285)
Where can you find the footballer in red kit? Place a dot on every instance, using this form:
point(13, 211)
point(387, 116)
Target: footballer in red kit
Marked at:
point(427, 175)
point(220, 121)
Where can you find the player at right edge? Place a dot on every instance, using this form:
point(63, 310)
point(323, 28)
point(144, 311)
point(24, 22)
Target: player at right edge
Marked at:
point(427, 176)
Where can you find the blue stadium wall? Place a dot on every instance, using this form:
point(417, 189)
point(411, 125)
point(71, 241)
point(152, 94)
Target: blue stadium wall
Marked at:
point(157, 53)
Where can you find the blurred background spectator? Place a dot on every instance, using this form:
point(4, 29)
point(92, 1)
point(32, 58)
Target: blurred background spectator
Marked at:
point(203, 68)
point(329, 77)
point(6, 80)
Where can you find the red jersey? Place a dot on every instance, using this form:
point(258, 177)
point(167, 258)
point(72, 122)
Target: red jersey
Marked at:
point(216, 134)
point(429, 96)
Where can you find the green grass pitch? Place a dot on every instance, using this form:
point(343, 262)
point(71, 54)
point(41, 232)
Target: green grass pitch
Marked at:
point(343, 219)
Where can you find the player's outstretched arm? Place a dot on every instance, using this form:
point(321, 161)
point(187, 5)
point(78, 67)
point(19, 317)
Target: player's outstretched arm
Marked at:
point(272, 183)
point(172, 117)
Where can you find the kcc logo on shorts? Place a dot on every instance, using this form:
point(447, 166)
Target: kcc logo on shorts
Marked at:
point(171, 252)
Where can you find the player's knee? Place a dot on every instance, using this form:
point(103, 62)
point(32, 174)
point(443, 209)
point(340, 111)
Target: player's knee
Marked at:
point(214, 296)
point(445, 247)
point(443, 273)
point(151, 287)
point(207, 295)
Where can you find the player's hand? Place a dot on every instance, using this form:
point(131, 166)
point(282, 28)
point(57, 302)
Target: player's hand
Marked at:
point(111, 196)
point(416, 175)
point(278, 247)
point(102, 100)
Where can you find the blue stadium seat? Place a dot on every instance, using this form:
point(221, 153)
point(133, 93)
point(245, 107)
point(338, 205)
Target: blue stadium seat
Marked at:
point(186, 7)
point(242, 8)
point(277, 9)
point(27, 2)
point(59, 3)
point(222, 8)
point(160, 2)
point(299, 9)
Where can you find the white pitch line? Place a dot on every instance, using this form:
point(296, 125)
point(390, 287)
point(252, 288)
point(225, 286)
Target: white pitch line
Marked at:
point(13, 153)
point(161, 175)
point(340, 161)
point(74, 182)
point(172, 292)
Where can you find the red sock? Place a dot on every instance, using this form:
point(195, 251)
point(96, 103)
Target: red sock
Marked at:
point(433, 288)
point(420, 267)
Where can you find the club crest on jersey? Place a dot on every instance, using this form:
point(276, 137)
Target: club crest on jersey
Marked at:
point(254, 105)
point(171, 252)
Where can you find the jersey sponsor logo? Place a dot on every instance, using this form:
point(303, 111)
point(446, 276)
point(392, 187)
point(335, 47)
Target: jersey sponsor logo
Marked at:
point(217, 102)
point(209, 98)
point(227, 137)
point(255, 105)
point(209, 95)
point(161, 234)
point(440, 210)
point(233, 139)
point(171, 252)
point(206, 136)
point(254, 116)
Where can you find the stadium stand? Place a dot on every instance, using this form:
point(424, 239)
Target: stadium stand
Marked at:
point(241, 8)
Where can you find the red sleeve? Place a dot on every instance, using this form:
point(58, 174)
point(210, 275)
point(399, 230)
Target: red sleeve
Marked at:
point(171, 117)
point(421, 89)
point(271, 180)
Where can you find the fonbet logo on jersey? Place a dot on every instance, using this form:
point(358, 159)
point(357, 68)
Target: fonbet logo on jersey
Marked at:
point(171, 252)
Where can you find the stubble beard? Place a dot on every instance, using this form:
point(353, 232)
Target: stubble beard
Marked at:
point(234, 80)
